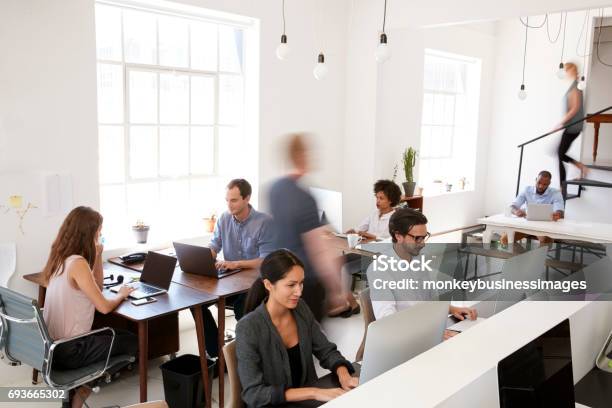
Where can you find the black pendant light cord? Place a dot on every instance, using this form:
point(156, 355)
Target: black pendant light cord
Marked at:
point(583, 31)
point(602, 62)
point(283, 17)
point(525, 51)
point(526, 23)
point(550, 40)
point(563, 43)
point(384, 17)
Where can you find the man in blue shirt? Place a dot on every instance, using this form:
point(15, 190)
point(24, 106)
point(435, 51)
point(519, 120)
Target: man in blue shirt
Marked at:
point(245, 237)
point(242, 233)
point(541, 193)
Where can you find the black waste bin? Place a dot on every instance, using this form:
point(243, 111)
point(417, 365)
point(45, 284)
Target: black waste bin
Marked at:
point(183, 381)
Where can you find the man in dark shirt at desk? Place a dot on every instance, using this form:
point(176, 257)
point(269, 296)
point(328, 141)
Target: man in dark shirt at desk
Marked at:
point(245, 237)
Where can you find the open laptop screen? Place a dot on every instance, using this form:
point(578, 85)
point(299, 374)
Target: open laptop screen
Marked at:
point(158, 270)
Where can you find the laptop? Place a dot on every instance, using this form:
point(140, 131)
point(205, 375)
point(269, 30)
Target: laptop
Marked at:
point(199, 260)
point(539, 212)
point(396, 339)
point(155, 277)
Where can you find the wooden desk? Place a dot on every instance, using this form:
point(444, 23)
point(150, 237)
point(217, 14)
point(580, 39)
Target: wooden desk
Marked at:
point(178, 298)
point(415, 202)
point(597, 120)
point(221, 289)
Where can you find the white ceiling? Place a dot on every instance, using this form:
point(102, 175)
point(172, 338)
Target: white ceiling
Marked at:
point(410, 13)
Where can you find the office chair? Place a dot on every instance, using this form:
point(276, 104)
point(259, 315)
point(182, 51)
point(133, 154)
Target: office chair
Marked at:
point(24, 339)
point(368, 317)
point(229, 352)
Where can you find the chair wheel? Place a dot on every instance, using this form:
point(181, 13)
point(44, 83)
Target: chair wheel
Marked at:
point(107, 378)
point(130, 367)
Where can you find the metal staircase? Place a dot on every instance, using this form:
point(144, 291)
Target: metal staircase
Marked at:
point(582, 182)
point(586, 182)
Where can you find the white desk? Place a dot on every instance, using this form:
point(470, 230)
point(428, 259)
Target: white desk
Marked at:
point(462, 372)
point(596, 232)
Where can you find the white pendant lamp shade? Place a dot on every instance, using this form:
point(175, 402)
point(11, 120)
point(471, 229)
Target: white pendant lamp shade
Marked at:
point(320, 70)
point(282, 51)
point(382, 51)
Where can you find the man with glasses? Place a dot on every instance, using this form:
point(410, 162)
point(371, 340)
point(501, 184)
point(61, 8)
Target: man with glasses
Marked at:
point(408, 230)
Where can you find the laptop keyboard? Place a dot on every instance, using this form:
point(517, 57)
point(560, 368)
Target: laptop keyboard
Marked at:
point(147, 289)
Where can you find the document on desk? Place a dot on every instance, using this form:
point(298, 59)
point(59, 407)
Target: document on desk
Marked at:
point(466, 324)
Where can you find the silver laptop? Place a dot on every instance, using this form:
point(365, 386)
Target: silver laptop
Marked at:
point(539, 212)
point(396, 339)
point(155, 278)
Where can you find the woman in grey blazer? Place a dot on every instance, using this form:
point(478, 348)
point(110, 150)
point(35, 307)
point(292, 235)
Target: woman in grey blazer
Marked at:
point(276, 339)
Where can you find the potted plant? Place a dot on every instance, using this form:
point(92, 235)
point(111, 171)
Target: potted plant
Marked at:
point(209, 222)
point(141, 231)
point(409, 161)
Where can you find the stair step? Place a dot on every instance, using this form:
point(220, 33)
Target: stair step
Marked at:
point(605, 167)
point(588, 182)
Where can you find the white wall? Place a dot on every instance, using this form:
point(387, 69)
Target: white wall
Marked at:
point(48, 102)
point(400, 110)
point(514, 121)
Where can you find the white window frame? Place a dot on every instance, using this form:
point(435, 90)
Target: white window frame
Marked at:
point(163, 8)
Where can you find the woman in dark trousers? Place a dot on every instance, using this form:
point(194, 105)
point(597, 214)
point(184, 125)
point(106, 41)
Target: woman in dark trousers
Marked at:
point(74, 292)
point(276, 339)
point(574, 110)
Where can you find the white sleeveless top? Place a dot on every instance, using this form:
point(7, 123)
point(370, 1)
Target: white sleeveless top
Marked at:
point(68, 311)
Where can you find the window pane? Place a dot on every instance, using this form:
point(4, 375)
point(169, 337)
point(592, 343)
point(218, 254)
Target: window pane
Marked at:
point(230, 99)
point(140, 37)
point(174, 99)
point(438, 110)
point(427, 109)
point(230, 49)
point(202, 150)
point(173, 42)
point(204, 46)
point(202, 100)
point(143, 97)
point(108, 32)
point(112, 154)
point(112, 205)
point(426, 141)
point(142, 199)
point(208, 196)
point(110, 93)
point(143, 152)
point(230, 152)
point(173, 193)
point(173, 151)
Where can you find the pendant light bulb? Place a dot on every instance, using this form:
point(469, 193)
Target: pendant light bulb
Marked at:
point(282, 51)
point(561, 71)
point(320, 70)
point(522, 95)
point(383, 52)
point(582, 84)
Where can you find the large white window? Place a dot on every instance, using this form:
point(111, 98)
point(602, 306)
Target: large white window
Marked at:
point(172, 109)
point(449, 126)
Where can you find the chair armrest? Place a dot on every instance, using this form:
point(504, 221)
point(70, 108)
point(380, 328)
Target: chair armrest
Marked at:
point(89, 333)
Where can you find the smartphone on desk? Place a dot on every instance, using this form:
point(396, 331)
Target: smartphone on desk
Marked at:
point(143, 301)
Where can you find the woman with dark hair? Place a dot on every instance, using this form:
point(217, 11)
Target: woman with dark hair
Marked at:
point(277, 337)
point(376, 225)
point(74, 292)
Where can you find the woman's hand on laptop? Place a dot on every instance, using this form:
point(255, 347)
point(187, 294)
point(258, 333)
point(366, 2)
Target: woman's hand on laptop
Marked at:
point(347, 382)
point(462, 313)
point(125, 291)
